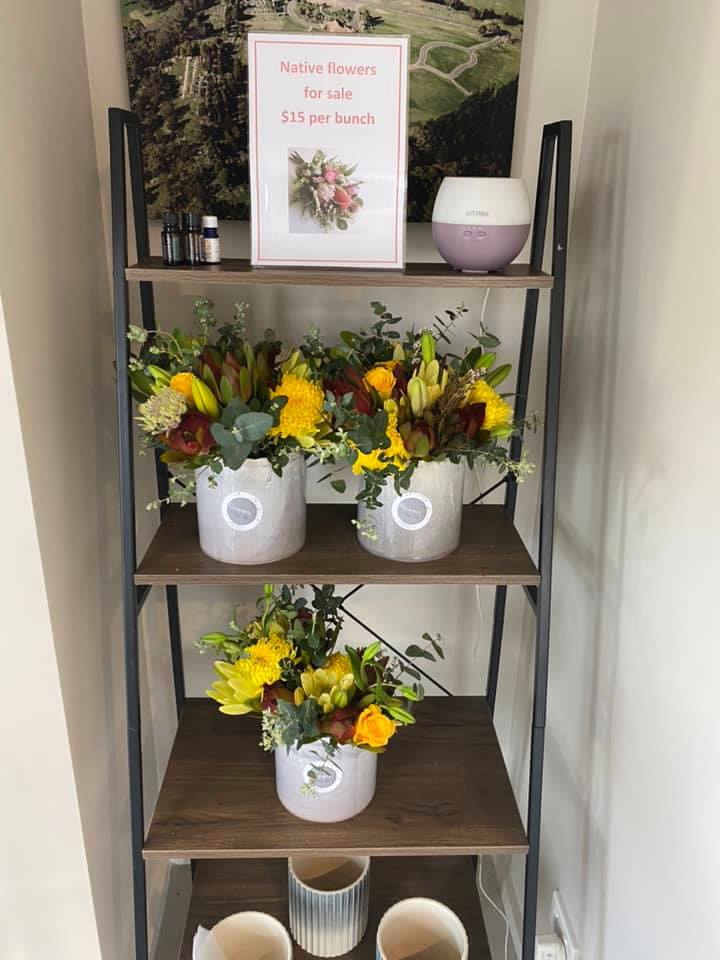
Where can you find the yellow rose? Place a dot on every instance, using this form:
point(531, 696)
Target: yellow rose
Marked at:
point(382, 379)
point(182, 383)
point(373, 728)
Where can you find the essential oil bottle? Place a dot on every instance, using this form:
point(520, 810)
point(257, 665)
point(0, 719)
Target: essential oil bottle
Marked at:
point(210, 240)
point(192, 238)
point(171, 240)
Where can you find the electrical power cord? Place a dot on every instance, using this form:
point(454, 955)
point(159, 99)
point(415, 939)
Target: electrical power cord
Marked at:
point(494, 906)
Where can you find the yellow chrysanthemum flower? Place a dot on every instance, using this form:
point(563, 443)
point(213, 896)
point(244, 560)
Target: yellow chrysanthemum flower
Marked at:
point(302, 414)
point(262, 663)
point(182, 383)
point(395, 454)
point(498, 413)
point(236, 695)
point(241, 685)
point(339, 664)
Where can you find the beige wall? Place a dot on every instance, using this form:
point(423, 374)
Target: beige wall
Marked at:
point(46, 905)
point(632, 785)
point(60, 505)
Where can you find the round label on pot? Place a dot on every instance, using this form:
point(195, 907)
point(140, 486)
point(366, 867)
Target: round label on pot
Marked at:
point(242, 511)
point(412, 511)
point(322, 777)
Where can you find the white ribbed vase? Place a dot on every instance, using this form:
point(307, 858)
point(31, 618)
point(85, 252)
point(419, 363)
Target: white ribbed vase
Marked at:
point(328, 899)
point(421, 523)
point(252, 515)
point(342, 785)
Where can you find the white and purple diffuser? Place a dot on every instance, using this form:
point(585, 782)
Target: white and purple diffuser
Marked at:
point(480, 223)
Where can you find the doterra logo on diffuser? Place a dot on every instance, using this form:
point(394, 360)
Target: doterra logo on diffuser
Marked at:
point(242, 511)
point(412, 511)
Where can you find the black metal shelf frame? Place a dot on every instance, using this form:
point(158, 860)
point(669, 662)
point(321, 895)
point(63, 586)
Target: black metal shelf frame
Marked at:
point(554, 169)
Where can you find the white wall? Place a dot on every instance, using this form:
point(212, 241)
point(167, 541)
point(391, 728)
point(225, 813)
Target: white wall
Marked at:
point(632, 789)
point(62, 662)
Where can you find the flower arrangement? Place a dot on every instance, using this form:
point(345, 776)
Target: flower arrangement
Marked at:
point(212, 399)
point(400, 402)
point(285, 665)
point(325, 190)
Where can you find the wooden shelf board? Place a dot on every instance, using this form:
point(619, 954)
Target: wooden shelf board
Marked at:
point(442, 790)
point(517, 275)
point(221, 888)
point(491, 552)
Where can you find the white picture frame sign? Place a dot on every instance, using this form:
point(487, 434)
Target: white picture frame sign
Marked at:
point(328, 149)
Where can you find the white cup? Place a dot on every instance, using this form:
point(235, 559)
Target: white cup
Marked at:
point(244, 936)
point(421, 929)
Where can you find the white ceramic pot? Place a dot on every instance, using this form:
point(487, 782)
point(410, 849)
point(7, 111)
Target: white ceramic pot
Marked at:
point(252, 515)
point(328, 898)
point(421, 523)
point(313, 786)
point(244, 936)
point(419, 927)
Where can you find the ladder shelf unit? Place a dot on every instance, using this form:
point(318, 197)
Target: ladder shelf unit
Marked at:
point(445, 797)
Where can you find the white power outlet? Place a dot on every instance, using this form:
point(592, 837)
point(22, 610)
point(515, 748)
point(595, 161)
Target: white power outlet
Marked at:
point(563, 928)
point(549, 947)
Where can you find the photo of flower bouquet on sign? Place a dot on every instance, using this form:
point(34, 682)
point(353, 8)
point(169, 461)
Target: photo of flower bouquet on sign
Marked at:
point(323, 193)
point(325, 713)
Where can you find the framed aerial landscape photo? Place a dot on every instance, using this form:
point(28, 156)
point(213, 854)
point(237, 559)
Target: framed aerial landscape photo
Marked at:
point(187, 73)
point(328, 149)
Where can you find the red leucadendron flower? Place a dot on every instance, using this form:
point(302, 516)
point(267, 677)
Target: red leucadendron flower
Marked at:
point(472, 418)
point(351, 382)
point(192, 437)
point(341, 724)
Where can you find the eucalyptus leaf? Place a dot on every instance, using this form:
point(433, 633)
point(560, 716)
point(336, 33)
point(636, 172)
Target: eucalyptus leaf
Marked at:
point(417, 653)
point(252, 427)
point(222, 435)
point(232, 411)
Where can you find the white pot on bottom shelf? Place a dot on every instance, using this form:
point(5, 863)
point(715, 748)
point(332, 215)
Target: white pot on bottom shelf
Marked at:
point(252, 515)
point(421, 523)
point(313, 785)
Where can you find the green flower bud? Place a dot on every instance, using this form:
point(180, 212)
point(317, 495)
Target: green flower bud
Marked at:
point(427, 346)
